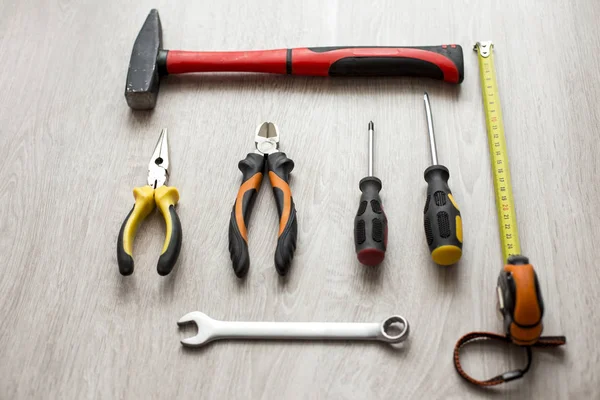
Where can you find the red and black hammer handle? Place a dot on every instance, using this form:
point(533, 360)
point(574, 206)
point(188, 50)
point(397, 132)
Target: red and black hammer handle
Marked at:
point(439, 62)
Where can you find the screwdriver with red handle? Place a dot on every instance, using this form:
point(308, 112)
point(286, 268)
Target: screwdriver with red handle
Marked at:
point(370, 223)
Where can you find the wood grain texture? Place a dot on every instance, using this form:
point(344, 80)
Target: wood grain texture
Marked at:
point(72, 151)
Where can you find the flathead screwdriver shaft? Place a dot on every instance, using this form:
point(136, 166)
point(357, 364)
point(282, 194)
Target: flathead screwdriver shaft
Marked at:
point(434, 159)
point(371, 129)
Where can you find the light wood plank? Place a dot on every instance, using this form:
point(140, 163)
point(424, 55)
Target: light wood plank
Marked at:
point(72, 152)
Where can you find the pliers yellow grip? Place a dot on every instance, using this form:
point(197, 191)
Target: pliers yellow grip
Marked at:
point(155, 194)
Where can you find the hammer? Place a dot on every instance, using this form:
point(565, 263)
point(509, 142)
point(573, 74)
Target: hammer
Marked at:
point(149, 61)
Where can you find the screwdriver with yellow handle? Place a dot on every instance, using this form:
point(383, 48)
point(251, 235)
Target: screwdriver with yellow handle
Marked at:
point(147, 198)
point(443, 224)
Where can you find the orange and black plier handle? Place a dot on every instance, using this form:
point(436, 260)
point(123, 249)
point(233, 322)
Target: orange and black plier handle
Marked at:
point(266, 157)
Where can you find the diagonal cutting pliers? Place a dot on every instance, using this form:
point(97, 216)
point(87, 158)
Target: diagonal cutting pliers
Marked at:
point(155, 194)
point(278, 166)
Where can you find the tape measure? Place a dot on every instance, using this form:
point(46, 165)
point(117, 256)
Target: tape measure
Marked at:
point(519, 295)
point(507, 219)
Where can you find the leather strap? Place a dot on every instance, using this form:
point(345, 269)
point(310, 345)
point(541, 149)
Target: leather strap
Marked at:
point(547, 341)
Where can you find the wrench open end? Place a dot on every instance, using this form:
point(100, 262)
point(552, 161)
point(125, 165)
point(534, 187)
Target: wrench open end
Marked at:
point(202, 322)
point(391, 332)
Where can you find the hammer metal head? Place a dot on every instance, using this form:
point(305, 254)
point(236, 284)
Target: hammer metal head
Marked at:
point(141, 87)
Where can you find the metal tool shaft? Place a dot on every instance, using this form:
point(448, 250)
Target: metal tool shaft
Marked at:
point(434, 159)
point(298, 330)
point(371, 129)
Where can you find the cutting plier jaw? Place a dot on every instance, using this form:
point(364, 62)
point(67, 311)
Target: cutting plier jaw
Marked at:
point(266, 139)
point(158, 167)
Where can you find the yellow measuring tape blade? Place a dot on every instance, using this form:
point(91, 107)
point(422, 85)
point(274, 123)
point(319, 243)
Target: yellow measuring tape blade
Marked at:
point(507, 219)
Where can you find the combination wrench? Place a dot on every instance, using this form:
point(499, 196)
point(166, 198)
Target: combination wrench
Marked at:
point(394, 329)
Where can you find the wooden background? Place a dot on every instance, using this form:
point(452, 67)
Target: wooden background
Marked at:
point(72, 151)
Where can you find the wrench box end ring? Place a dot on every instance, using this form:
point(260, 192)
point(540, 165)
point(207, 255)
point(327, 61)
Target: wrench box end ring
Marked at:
point(393, 321)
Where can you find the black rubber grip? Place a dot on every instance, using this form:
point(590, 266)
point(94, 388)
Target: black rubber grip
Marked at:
point(281, 166)
point(252, 165)
point(442, 222)
point(167, 260)
point(438, 62)
point(124, 260)
point(370, 224)
point(385, 66)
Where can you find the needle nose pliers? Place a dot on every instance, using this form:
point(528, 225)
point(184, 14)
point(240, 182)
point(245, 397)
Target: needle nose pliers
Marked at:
point(278, 166)
point(156, 193)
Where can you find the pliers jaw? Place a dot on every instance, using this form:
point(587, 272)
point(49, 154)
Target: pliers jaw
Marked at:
point(158, 167)
point(266, 139)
